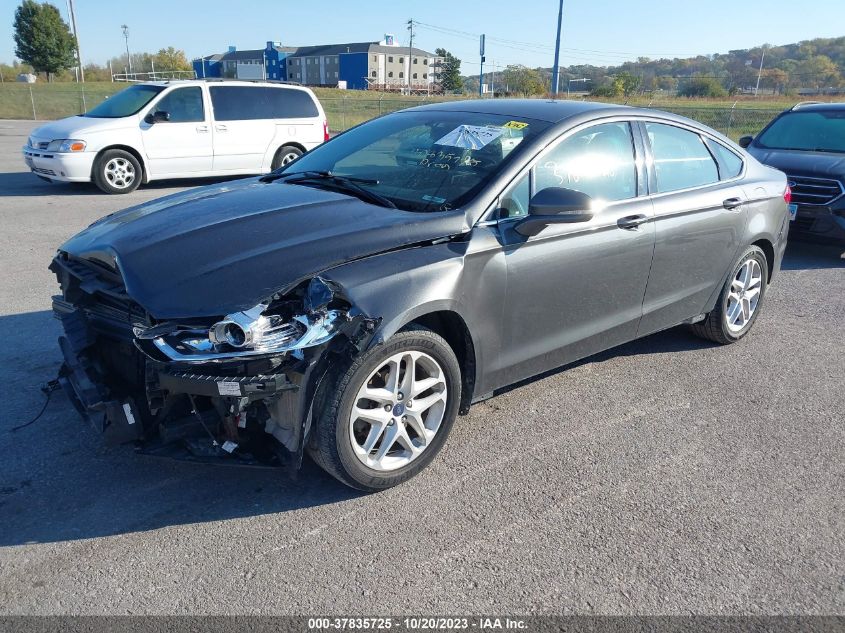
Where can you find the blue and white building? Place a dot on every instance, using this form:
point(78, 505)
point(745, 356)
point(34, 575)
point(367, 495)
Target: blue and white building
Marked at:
point(383, 65)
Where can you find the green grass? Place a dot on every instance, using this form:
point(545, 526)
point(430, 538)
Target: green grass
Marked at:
point(345, 108)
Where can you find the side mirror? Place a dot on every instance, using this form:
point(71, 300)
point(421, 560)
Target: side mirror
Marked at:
point(745, 141)
point(159, 116)
point(555, 205)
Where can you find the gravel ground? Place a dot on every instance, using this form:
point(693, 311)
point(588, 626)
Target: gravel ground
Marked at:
point(666, 476)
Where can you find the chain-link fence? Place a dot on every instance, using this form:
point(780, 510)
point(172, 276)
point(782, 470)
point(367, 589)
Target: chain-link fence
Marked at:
point(733, 122)
point(46, 102)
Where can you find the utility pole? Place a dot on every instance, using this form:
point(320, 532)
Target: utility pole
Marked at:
point(76, 38)
point(126, 37)
point(760, 72)
point(410, 51)
point(481, 68)
point(556, 69)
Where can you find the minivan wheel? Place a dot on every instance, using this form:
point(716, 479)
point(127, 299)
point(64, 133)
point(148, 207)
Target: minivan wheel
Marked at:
point(389, 413)
point(284, 155)
point(117, 171)
point(740, 300)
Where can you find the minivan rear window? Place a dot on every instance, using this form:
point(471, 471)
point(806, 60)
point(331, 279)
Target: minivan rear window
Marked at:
point(236, 103)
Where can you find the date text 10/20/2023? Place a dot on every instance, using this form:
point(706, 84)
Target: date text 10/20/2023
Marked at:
point(418, 623)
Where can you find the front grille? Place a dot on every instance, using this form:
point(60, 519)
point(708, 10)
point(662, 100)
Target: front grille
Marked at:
point(814, 191)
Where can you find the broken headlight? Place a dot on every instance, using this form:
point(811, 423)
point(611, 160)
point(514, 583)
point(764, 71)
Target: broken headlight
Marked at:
point(244, 334)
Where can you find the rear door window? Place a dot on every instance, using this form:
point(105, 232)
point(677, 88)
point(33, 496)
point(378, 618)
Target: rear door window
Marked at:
point(681, 159)
point(236, 103)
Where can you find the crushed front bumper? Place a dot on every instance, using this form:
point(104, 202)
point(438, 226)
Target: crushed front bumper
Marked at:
point(208, 413)
point(245, 409)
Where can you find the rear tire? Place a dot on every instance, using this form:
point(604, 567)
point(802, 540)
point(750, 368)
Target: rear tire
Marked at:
point(740, 301)
point(117, 171)
point(374, 444)
point(284, 155)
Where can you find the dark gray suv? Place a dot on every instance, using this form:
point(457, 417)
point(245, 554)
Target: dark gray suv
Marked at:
point(351, 304)
point(807, 143)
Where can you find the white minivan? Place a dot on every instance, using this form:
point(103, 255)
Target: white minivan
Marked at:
point(180, 129)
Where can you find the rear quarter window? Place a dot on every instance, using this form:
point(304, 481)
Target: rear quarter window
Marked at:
point(237, 103)
point(730, 165)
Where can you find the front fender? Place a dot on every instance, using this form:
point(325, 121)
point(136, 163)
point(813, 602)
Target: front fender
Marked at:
point(399, 286)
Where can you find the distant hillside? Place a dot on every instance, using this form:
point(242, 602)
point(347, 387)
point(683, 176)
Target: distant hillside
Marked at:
point(810, 67)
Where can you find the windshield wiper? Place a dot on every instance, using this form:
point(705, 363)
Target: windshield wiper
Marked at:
point(313, 173)
point(347, 184)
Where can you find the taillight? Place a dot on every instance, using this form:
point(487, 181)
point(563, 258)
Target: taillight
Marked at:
point(325, 130)
point(787, 195)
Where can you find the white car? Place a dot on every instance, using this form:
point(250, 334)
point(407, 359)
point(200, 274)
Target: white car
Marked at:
point(179, 129)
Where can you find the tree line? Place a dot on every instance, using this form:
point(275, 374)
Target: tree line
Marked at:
point(813, 65)
point(45, 45)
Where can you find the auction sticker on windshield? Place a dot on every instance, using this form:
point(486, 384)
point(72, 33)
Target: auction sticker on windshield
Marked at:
point(470, 136)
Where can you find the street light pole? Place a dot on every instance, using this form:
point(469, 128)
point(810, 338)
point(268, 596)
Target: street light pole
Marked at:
point(760, 73)
point(76, 38)
point(481, 67)
point(126, 37)
point(410, 51)
point(556, 69)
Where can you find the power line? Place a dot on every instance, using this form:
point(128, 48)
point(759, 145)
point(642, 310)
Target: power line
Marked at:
point(538, 47)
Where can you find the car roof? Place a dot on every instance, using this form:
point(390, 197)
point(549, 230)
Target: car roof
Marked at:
point(547, 110)
point(218, 81)
point(553, 111)
point(816, 106)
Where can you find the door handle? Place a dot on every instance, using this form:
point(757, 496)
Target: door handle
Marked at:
point(220, 128)
point(732, 203)
point(631, 222)
point(202, 128)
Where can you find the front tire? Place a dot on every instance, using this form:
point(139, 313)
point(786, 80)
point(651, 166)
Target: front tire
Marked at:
point(117, 171)
point(285, 155)
point(388, 414)
point(740, 301)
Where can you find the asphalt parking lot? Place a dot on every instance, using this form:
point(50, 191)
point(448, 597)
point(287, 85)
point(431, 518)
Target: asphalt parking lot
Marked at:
point(668, 476)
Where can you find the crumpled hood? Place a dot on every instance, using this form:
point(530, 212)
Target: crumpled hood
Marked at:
point(80, 126)
point(215, 250)
point(820, 164)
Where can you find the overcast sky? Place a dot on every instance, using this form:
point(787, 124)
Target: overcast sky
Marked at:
point(599, 32)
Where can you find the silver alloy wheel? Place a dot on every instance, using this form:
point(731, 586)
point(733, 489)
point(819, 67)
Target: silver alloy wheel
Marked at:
point(744, 295)
point(398, 411)
point(289, 157)
point(119, 173)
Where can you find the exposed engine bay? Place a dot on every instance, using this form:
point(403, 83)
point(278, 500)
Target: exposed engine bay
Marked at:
point(239, 388)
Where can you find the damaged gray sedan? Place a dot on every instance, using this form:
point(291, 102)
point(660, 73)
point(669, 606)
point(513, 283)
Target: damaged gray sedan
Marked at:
point(351, 304)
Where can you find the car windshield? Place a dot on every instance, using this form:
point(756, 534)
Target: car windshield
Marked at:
point(820, 131)
point(125, 103)
point(425, 160)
